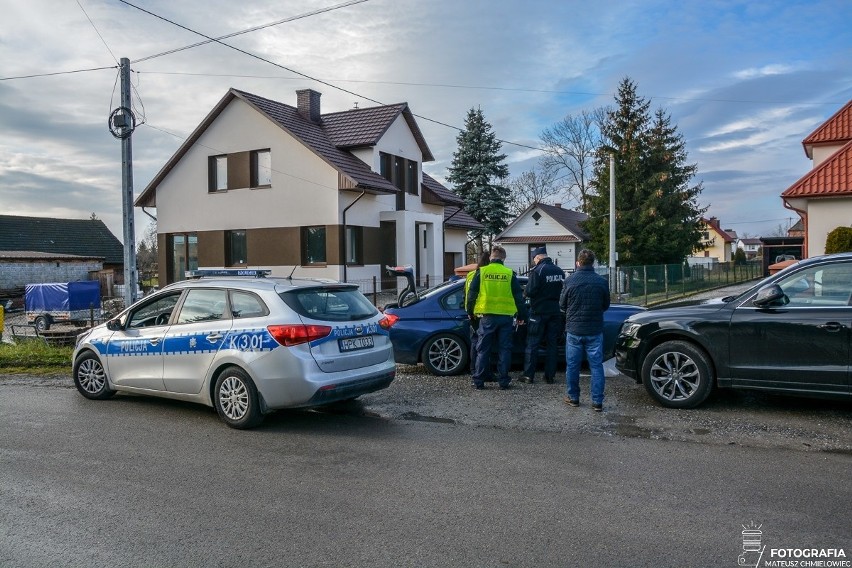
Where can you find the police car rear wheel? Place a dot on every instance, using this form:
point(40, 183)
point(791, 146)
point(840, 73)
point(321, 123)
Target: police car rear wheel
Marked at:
point(236, 399)
point(90, 377)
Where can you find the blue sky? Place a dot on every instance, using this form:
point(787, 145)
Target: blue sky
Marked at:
point(745, 82)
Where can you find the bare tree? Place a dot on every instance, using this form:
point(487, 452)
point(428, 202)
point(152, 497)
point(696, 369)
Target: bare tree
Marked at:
point(570, 147)
point(530, 187)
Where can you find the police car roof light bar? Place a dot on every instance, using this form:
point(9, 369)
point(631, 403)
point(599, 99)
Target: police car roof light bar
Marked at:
point(208, 272)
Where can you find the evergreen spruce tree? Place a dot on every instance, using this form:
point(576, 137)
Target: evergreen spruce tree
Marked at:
point(477, 172)
point(657, 216)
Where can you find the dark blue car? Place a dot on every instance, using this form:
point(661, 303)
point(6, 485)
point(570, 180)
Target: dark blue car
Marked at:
point(433, 328)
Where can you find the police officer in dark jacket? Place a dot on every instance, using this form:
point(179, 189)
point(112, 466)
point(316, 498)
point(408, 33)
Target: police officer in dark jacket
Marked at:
point(543, 290)
point(585, 298)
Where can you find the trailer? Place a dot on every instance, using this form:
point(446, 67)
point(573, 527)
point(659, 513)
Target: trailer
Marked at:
point(62, 302)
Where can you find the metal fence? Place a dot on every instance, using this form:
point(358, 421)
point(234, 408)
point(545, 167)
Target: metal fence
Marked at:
point(649, 285)
point(638, 285)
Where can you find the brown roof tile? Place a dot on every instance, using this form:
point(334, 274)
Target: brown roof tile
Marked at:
point(460, 219)
point(330, 138)
point(832, 178)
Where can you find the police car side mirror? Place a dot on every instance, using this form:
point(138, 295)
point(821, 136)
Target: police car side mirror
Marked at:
point(113, 324)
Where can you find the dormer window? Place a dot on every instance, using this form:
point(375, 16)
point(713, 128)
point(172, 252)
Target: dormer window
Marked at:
point(401, 172)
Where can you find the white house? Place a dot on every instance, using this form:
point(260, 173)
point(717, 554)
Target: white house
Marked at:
point(823, 196)
point(266, 185)
point(543, 225)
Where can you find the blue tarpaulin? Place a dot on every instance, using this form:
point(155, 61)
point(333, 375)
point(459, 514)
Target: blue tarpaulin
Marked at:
point(63, 296)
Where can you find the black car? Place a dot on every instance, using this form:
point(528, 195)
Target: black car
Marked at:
point(790, 333)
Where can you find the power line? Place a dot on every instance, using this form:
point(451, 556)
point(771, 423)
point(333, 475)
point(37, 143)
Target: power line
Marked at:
point(306, 76)
point(488, 88)
point(254, 29)
point(56, 73)
point(114, 58)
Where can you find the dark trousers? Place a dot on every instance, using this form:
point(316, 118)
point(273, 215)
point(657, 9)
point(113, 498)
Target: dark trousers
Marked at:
point(494, 330)
point(547, 327)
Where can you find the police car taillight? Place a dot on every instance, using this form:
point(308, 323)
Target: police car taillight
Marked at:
point(388, 321)
point(296, 334)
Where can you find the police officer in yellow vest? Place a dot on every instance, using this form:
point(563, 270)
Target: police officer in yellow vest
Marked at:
point(494, 296)
point(484, 259)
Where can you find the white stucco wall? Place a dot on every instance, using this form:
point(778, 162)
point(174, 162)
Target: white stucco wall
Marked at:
point(563, 254)
point(456, 239)
point(820, 153)
point(308, 189)
point(527, 226)
point(825, 215)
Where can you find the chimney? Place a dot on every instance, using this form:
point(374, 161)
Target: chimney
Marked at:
point(558, 205)
point(308, 104)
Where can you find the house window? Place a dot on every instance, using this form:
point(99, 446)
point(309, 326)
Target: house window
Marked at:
point(217, 173)
point(235, 247)
point(313, 245)
point(183, 252)
point(401, 172)
point(261, 168)
point(354, 245)
point(386, 166)
point(411, 177)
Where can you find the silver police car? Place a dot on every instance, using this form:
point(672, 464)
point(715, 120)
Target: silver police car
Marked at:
point(246, 346)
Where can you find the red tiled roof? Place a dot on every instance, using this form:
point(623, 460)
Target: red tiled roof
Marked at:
point(838, 128)
point(714, 225)
point(832, 178)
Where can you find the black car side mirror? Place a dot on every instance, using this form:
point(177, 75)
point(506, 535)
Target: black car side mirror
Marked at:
point(769, 295)
point(113, 324)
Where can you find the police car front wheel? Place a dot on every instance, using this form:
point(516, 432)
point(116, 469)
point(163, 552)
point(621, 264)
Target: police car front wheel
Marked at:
point(90, 377)
point(236, 399)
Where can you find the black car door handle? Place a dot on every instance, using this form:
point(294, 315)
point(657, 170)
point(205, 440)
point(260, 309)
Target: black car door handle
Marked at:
point(831, 326)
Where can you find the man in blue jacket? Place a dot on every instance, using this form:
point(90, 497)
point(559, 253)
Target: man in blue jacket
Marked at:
point(585, 298)
point(544, 288)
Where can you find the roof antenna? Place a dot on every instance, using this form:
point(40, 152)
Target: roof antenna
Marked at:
point(292, 271)
point(356, 106)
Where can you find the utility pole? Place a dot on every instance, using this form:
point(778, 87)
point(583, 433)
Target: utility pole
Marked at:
point(613, 275)
point(122, 123)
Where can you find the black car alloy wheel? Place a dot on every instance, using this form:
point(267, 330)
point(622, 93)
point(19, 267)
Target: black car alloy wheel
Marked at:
point(677, 374)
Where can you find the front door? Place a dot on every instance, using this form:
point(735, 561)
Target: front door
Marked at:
point(803, 345)
point(134, 355)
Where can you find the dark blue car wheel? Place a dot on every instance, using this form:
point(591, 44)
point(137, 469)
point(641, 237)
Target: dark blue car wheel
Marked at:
point(445, 354)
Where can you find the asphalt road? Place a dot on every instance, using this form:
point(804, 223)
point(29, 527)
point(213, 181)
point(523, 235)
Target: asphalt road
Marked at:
point(145, 482)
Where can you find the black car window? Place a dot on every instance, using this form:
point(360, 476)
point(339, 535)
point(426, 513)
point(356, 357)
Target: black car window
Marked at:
point(203, 305)
point(820, 285)
point(153, 313)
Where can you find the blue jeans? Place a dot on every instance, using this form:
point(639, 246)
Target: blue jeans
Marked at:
point(493, 329)
point(575, 347)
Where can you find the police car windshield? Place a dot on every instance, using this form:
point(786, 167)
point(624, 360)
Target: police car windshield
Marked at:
point(329, 303)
